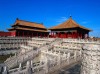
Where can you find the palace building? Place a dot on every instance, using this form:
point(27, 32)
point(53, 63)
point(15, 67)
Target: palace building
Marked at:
point(28, 29)
point(68, 29)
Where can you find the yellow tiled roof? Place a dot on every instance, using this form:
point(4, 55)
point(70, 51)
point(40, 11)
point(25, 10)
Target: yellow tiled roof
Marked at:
point(27, 23)
point(68, 24)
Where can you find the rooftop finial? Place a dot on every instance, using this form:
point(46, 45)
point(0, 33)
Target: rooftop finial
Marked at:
point(70, 17)
point(17, 18)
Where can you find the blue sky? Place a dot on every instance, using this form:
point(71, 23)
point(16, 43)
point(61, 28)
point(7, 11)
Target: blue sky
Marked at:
point(51, 12)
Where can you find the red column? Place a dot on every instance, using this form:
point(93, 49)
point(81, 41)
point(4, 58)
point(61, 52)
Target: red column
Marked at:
point(28, 34)
point(23, 33)
point(81, 35)
point(44, 34)
point(66, 34)
point(75, 35)
point(78, 35)
point(58, 35)
point(37, 34)
point(31, 34)
point(41, 34)
point(53, 34)
point(72, 35)
point(18, 33)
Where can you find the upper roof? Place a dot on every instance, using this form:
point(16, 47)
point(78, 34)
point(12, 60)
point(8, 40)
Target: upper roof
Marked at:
point(70, 23)
point(27, 23)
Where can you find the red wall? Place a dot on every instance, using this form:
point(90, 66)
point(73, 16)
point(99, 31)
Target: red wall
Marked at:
point(7, 33)
point(13, 33)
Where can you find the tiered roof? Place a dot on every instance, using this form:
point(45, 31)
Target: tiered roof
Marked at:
point(33, 26)
point(27, 23)
point(69, 24)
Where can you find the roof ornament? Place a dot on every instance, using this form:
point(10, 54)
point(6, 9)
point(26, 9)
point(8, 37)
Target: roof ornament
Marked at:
point(41, 23)
point(17, 18)
point(70, 16)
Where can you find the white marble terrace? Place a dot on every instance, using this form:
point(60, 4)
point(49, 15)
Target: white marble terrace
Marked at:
point(48, 56)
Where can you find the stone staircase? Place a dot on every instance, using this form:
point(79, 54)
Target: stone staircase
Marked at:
point(21, 58)
point(67, 62)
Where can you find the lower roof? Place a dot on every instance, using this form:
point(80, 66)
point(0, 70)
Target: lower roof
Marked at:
point(28, 29)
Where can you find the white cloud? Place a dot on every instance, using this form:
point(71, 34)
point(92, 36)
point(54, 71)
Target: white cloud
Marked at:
point(62, 19)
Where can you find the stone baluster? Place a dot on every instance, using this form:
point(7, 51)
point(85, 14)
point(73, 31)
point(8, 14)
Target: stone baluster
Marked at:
point(64, 54)
point(46, 64)
point(55, 51)
point(75, 55)
point(80, 53)
point(51, 51)
point(59, 59)
point(28, 68)
point(31, 63)
point(68, 57)
point(20, 67)
point(15, 54)
point(5, 70)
